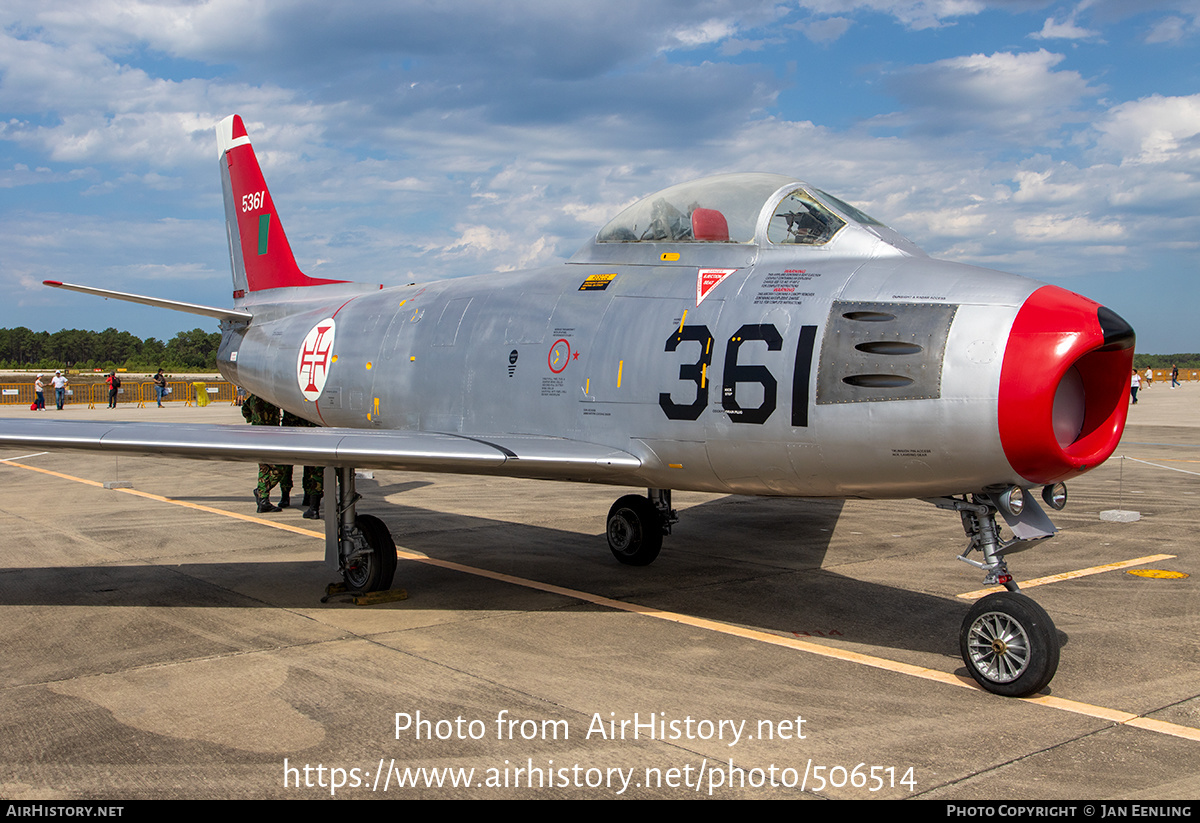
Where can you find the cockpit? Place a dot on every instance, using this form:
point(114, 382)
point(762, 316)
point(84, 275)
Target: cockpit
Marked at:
point(731, 219)
point(729, 208)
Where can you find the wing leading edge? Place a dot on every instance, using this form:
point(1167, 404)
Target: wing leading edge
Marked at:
point(530, 456)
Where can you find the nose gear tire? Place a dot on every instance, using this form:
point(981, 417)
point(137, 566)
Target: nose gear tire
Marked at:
point(1009, 644)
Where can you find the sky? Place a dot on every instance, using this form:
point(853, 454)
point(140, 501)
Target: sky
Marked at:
point(407, 141)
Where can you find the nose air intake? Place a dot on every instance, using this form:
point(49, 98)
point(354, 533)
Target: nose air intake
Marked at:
point(1064, 385)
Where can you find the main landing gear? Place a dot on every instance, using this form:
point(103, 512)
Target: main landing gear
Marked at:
point(359, 545)
point(636, 526)
point(1007, 641)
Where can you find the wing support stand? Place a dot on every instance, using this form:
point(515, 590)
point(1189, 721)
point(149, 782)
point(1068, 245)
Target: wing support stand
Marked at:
point(359, 546)
point(1007, 641)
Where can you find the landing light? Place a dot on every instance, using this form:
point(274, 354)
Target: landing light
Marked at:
point(1055, 496)
point(1012, 501)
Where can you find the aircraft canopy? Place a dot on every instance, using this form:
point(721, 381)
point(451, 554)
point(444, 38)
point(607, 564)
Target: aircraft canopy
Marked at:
point(727, 209)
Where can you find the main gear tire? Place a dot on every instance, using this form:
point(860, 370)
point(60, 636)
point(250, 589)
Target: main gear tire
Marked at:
point(373, 571)
point(634, 530)
point(1009, 644)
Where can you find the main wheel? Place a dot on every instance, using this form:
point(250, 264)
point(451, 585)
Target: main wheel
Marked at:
point(373, 572)
point(1009, 644)
point(634, 530)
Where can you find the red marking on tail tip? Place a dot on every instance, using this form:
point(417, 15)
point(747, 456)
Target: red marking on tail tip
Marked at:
point(239, 128)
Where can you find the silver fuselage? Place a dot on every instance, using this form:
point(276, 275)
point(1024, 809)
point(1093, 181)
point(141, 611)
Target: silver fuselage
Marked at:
point(802, 405)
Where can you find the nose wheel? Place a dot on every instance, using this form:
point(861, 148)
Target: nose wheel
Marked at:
point(1007, 641)
point(1009, 644)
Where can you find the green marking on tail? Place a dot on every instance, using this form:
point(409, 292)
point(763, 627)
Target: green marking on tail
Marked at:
point(264, 223)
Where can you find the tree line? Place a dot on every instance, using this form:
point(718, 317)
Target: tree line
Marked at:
point(1165, 361)
point(194, 350)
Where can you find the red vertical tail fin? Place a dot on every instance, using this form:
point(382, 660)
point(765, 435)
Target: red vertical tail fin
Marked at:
point(258, 247)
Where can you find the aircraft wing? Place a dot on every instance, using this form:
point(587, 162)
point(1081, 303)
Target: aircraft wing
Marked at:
point(510, 455)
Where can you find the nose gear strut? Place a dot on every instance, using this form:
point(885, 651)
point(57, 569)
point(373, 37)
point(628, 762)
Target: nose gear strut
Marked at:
point(1007, 641)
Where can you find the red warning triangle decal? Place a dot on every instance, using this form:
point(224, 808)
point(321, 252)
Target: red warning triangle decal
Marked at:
point(707, 280)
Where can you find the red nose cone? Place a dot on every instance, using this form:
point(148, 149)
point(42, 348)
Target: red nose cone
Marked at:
point(1064, 385)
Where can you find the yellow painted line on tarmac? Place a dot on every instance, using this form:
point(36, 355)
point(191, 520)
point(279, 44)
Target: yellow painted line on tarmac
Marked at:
point(235, 515)
point(198, 507)
point(832, 652)
point(701, 623)
point(1117, 716)
point(1057, 578)
point(51, 473)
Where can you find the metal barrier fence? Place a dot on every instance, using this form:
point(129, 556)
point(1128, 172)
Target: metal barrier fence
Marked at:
point(1164, 375)
point(14, 394)
point(179, 391)
point(96, 394)
point(17, 393)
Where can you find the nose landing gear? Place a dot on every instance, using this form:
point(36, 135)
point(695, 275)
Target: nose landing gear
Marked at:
point(1007, 641)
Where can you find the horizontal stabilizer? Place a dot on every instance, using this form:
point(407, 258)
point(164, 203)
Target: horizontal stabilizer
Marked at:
point(157, 302)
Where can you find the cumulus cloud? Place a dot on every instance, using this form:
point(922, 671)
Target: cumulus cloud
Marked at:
point(1168, 30)
point(1006, 96)
point(823, 30)
point(914, 14)
point(1064, 30)
point(1155, 129)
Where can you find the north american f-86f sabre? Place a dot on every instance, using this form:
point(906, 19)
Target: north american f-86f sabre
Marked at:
point(741, 334)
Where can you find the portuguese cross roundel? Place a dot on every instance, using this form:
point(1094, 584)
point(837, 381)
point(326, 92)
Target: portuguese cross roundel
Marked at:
point(312, 366)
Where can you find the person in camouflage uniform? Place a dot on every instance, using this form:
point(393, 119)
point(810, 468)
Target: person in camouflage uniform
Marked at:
point(313, 481)
point(259, 412)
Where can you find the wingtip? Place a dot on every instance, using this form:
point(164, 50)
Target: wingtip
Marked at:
point(55, 283)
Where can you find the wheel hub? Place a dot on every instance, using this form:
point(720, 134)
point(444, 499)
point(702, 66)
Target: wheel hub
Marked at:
point(999, 647)
point(620, 534)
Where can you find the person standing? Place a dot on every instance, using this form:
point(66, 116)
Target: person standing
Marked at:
point(60, 389)
point(1134, 384)
point(1149, 377)
point(259, 412)
point(1174, 376)
point(39, 393)
point(160, 386)
point(114, 385)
